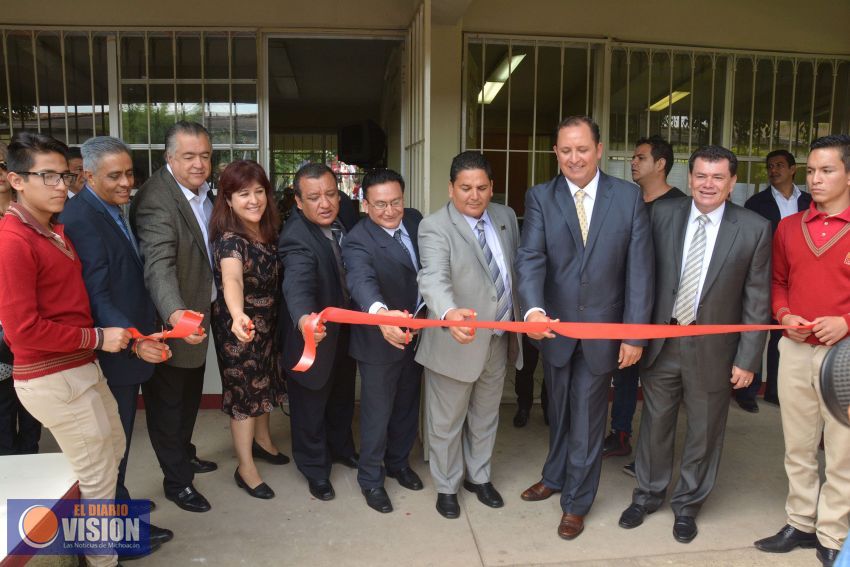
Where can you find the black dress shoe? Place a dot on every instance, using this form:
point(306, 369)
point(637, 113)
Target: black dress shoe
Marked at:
point(826, 555)
point(773, 400)
point(447, 506)
point(486, 492)
point(158, 536)
point(260, 453)
point(685, 529)
point(321, 489)
point(190, 500)
point(408, 478)
point(262, 490)
point(521, 417)
point(153, 547)
point(786, 539)
point(351, 462)
point(201, 466)
point(747, 405)
point(377, 499)
point(633, 516)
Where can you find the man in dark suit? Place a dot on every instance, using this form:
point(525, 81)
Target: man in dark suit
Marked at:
point(170, 215)
point(574, 269)
point(321, 400)
point(781, 199)
point(114, 276)
point(712, 266)
point(381, 260)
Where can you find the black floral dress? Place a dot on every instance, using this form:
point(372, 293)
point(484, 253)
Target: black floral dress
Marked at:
point(251, 377)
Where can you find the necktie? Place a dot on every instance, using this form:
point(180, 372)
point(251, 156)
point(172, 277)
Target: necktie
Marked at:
point(336, 241)
point(126, 228)
point(503, 300)
point(397, 237)
point(582, 215)
point(685, 308)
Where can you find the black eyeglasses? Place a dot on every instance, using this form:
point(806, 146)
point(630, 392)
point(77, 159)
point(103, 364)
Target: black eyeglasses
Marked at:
point(51, 178)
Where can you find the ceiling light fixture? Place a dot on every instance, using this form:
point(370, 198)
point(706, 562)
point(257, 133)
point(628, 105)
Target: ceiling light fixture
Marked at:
point(499, 77)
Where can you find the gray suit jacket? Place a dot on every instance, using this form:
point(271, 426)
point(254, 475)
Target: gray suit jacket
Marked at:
point(736, 288)
point(455, 274)
point(177, 268)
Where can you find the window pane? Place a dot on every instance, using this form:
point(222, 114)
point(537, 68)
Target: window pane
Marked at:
point(157, 159)
point(219, 160)
point(659, 99)
point(841, 104)
point(140, 166)
point(823, 100)
point(638, 96)
point(521, 85)
point(51, 97)
point(189, 105)
point(215, 56)
point(803, 108)
point(701, 118)
point(160, 56)
point(545, 167)
point(719, 97)
point(519, 180)
point(742, 106)
point(133, 57)
point(617, 117)
point(4, 101)
point(162, 111)
point(217, 111)
point(101, 86)
point(134, 114)
point(21, 80)
point(188, 56)
point(575, 95)
point(495, 95)
point(498, 162)
point(244, 57)
point(244, 114)
point(548, 94)
point(78, 75)
point(782, 130)
point(680, 119)
point(473, 93)
point(763, 104)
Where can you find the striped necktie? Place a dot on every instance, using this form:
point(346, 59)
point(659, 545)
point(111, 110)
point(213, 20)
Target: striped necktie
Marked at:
point(503, 300)
point(582, 214)
point(685, 308)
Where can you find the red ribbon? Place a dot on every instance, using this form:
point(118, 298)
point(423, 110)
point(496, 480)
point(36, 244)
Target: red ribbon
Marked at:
point(188, 324)
point(572, 330)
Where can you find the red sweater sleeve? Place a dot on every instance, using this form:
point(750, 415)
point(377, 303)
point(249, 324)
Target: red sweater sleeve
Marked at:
point(19, 308)
point(779, 287)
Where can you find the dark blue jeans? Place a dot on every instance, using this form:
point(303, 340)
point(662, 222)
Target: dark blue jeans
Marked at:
point(625, 398)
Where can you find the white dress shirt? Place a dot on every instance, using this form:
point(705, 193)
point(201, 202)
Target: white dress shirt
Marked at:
point(788, 206)
point(202, 207)
point(712, 227)
point(408, 243)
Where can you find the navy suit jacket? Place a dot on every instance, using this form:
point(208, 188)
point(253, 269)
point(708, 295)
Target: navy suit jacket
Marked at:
point(610, 280)
point(115, 281)
point(311, 282)
point(377, 269)
point(764, 204)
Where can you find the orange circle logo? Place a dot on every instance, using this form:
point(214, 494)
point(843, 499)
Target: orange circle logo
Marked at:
point(38, 526)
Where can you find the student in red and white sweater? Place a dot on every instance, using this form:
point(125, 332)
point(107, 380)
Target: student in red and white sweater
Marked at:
point(48, 324)
point(811, 286)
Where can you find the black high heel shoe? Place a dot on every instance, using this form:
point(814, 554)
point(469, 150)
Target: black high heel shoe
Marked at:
point(262, 490)
point(260, 453)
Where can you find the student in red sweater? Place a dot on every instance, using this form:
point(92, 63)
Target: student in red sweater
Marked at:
point(811, 286)
point(48, 324)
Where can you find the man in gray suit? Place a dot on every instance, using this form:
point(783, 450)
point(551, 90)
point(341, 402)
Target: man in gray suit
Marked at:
point(712, 267)
point(586, 255)
point(170, 216)
point(466, 251)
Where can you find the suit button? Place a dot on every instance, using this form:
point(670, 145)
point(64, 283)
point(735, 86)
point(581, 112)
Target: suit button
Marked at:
point(581, 307)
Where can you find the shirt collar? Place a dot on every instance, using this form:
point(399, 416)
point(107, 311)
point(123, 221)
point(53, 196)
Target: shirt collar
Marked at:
point(714, 217)
point(589, 189)
point(188, 193)
point(795, 194)
point(813, 213)
point(26, 218)
point(473, 222)
point(391, 231)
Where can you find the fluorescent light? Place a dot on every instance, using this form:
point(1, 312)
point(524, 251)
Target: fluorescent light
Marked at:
point(499, 77)
point(670, 100)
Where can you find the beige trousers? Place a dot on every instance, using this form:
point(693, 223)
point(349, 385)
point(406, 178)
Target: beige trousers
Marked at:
point(812, 506)
point(80, 411)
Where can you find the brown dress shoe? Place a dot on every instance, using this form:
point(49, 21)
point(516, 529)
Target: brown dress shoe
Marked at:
point(537, 492)
point(571, 526)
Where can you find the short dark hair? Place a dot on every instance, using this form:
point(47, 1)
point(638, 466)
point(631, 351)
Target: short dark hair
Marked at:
point(235, 177)
point(469, 160)
point(313, 170)
point(183, 127)
point(578, 120)
point(74, 153)
point(840, 142)
point(379, 176)
point(25, 145)
point(713, 154)
point(660, 149)
point(789, 157)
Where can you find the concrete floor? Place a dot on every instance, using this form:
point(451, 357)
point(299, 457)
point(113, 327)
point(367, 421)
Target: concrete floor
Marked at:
point(296, 529)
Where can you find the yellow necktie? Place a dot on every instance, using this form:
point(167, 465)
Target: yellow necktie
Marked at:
point(582, 216)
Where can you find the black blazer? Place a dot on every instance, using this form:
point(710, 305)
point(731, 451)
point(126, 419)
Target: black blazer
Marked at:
point(115, 280)
point(311, 282)
point(764, 204)
point(377, 269)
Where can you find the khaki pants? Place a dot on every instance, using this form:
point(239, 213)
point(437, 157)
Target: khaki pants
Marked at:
point(79, 410)
point(812, 507)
